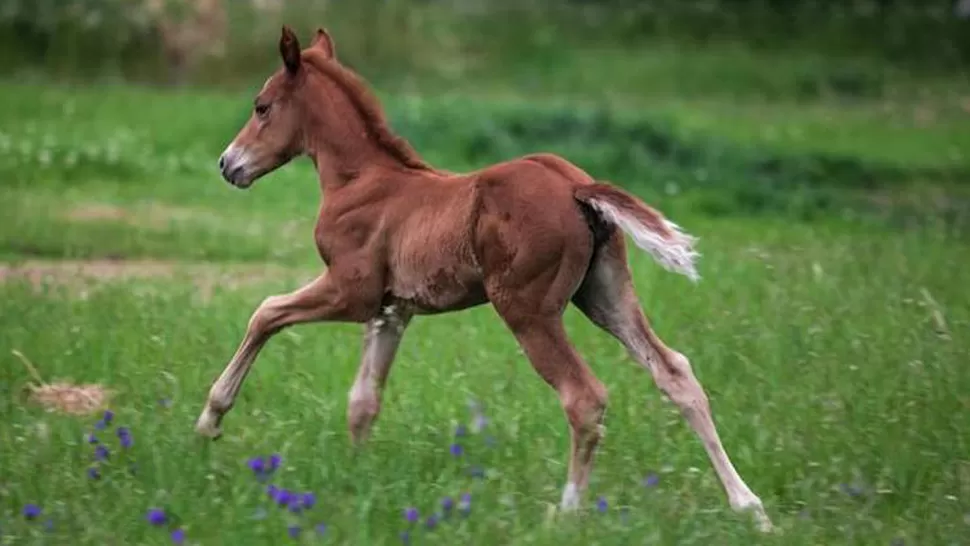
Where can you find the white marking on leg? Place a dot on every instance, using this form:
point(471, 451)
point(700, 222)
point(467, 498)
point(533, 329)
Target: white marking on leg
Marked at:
point(756, 509)
point(570, 497)
point(208, 423)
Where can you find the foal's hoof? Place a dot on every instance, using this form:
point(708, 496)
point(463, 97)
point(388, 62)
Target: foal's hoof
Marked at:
point(763, 523)
point(757, 511)
point(208, 425)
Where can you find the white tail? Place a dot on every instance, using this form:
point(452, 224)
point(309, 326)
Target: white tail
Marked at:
point(671, 247)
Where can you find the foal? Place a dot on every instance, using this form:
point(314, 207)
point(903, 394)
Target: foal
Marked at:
point(401, 238)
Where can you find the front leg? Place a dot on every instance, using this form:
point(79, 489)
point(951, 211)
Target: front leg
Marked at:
point(326, 298)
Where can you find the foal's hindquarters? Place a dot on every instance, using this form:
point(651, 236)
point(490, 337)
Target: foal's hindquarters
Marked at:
point(535, 260)
point(607, 298)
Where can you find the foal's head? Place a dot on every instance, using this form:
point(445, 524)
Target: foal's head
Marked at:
point(275, 132)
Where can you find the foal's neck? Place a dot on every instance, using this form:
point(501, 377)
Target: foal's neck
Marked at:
point(349, 156)
point(358, 139)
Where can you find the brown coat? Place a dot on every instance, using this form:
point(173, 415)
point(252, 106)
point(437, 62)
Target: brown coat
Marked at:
point(402, 238)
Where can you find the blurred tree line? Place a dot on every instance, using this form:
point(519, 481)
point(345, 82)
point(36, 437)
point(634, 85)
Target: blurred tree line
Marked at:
point(219, 41)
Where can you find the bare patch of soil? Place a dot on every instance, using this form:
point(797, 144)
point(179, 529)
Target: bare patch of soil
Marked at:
point(79, 275)
point(147, 215)
point(96, 212)
point(68, 271)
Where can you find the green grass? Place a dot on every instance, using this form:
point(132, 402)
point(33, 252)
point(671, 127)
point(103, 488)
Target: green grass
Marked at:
point(832, 349)
point(818, 348)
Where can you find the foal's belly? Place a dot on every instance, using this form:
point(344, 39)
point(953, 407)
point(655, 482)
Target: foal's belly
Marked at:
point(443, 290)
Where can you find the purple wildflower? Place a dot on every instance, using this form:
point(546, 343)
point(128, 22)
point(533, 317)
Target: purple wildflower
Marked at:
point(100, 425)
point(124, 435)
point(165, 402)
point(601, 504)
point(91, 438)
point(411, 514)
point(651, 480)
point(156, 516)
point(101, 453)
point(94, 473)
point(178, 536)
point(447, 504)
point(108, 416)
point(405, 537)
point(272, 491)
point(283, 497)
point(294, 506)
point(456, 450)
point(309, 500)
point(480, 422)
point(49, 525)
point(321, 528)
point(257, 465)
point(431, 522)
point(274, 461)
point(294, 531)
point(461, 430)
point(31, 511)
point(476, 471)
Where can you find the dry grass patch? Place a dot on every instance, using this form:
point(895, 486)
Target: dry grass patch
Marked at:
point(64, 397)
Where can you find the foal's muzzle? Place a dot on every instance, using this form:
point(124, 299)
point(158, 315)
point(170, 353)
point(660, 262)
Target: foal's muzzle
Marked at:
point(232, 165)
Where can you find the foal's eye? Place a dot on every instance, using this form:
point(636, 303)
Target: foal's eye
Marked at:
point(261, 109)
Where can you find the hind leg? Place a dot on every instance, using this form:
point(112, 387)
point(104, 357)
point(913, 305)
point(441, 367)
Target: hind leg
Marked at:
point(583, 397)
point(607, 297)
point(531, 297)
point(382, 338)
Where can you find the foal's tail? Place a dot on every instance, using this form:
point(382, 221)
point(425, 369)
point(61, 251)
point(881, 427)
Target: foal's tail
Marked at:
point(670, 247)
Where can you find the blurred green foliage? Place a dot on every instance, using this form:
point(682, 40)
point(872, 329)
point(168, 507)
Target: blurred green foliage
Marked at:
point(783, 161)
point(800, 108)
point(441, 42)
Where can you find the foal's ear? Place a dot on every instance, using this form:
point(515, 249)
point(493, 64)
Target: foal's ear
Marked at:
point(290, 50)
point(323, 41)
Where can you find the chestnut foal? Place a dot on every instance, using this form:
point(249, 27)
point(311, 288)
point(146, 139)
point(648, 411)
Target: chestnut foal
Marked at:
point(402, 238)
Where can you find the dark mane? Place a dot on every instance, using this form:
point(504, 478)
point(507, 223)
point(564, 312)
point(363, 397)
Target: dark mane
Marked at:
point(369, 109)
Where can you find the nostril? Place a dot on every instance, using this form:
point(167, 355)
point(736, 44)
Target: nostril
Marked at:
point(222, 162)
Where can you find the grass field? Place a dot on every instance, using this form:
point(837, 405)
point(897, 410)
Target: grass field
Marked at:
point(833, 350)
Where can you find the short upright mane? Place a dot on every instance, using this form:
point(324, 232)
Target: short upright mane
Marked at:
point(369, 109)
